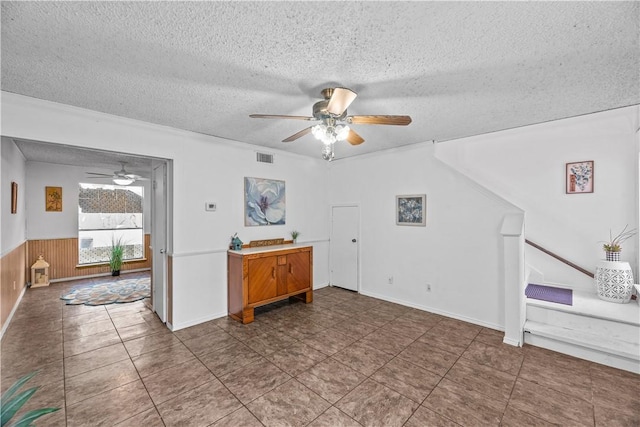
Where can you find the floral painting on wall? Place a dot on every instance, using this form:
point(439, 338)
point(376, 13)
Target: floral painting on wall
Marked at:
point(410, 210)
point(580, 177)
point(53, 199)
point(264, 202)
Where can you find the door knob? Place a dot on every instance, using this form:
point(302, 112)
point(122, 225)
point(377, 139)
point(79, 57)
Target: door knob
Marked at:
point(353, 240)
point(161, 251)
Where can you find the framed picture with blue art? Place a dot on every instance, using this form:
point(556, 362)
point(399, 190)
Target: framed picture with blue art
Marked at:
point(264, 202)
point(580, 177)
point(411, 210)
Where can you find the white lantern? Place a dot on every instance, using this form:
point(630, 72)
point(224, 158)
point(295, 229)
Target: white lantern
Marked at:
point(40, 273)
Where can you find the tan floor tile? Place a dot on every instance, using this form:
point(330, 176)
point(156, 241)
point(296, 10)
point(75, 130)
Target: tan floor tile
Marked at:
point(47, 373)
point(207, 343)
point(296, 358)
point(355, 328)
point(387, 341)
point(275, 407)
point(147, 343)
point(431, 358)
point(426, 417)
point(328, 341)
point(79, 331)
point(140, 330)
point(407, 327)
point(96, 381)
point(94, 359)
point(515, 418)
point(158, 360)
point(407, 379)
point(91, 342)
point(482, 378)
point(241, 417)
point(197, 330)
point(173, 381)
point(254, 380)
point(550, 405)
point(200, 406)
point(333, 417)
point(331, 379)
point(363, 358)
point(48, 396)
point(504, 358)
point(443, 339)
point(148, 418)
point(466, 407)
point(548, 374)
point(372, 404)
point(83, 319)
point(228, 359)
point(111, 407)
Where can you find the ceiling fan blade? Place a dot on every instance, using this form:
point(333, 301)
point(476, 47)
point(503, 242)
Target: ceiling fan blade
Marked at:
point(99, 175)
point(277, 116)
point(353, 138)
point(340, 100)
point(379, 120)
point(295, 136)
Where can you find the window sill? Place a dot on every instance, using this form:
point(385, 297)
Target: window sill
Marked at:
point(97, 264)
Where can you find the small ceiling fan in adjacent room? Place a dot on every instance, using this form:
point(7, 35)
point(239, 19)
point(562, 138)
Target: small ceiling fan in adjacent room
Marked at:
point(121, 177)
point(332, 113)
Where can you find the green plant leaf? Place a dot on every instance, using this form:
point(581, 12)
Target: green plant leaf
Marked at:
point(11, 391)
point(14, 404)
point(30, 416)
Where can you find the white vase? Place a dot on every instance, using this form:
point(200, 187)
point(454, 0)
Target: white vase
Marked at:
point(614, 281)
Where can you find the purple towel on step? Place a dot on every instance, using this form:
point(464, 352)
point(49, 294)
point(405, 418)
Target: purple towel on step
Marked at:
point(549, 293)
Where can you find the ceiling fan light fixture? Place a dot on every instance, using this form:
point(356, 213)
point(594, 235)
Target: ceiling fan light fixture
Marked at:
point(327, 152)
point(342, 132)
point(123, 181)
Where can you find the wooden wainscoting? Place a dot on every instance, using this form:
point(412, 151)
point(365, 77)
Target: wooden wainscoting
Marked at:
point(13, 279)
point(62, 256)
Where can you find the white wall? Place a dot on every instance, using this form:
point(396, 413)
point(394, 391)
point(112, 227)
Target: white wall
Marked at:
point(205, 169)
point(458, 252)
point(12, 169)
point(60, 225)
point(527, 167)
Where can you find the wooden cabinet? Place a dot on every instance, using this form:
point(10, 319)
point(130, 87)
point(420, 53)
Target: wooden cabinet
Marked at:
point(258, 276)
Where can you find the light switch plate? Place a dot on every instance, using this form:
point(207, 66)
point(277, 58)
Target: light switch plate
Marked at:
point(210, 206)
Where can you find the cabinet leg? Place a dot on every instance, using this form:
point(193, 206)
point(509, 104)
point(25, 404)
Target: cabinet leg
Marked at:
point(306, 297)
point(247, 315)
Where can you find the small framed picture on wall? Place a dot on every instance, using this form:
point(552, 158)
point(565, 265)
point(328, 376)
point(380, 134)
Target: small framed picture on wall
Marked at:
point(14, 197)
point(579, 177)
point(411, 210)
point(53, 199)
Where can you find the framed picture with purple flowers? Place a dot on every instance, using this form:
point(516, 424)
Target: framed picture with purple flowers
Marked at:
point(579, 177)
point(411, 210)
point(264, 202)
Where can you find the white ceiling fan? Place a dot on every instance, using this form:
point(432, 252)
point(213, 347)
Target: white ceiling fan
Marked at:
point(121, 177)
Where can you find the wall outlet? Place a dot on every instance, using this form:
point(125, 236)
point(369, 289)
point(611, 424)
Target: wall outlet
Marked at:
point(210, 206)
point(390, 280)
point(428, 287)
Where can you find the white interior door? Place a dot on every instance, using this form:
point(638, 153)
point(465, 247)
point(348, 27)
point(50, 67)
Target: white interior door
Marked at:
point(159, 239)
point(345, 226)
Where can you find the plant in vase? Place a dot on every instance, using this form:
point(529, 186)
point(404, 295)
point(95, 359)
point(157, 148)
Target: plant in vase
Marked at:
point(294, 235)
point(116, 255)
point(613, 247)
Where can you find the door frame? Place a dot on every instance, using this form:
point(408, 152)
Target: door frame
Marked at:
point(159, 261)
point(358, 263)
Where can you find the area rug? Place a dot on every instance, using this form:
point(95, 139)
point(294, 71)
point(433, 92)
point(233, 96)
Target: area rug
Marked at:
point(549, 293)
point(117, 292)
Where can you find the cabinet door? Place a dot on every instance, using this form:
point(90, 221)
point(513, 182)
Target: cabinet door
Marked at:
point(262, 279)
point(298, 271)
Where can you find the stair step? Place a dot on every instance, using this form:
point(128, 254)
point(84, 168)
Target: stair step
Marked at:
point(585, 339)
point(589, 305)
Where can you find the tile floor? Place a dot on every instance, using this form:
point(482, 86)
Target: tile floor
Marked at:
point(344, 360)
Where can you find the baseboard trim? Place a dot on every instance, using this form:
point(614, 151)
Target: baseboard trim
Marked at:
point(122, 273)
point(13, 311)
point(194, 322)
point(435, 311)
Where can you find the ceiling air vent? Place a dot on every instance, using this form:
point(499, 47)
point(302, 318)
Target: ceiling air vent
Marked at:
point(264, 157)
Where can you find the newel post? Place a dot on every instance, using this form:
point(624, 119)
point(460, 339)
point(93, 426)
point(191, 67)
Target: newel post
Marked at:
point(513, 278)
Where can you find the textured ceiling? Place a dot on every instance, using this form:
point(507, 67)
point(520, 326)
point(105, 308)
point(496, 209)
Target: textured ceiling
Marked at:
point(457, 68)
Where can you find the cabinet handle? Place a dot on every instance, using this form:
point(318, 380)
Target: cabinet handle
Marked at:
point(290, 269)
point(273, 272)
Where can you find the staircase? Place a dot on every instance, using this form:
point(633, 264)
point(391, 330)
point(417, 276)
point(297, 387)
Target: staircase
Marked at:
point(591, 329)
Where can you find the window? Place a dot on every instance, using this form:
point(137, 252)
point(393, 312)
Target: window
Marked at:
point(107, 213)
